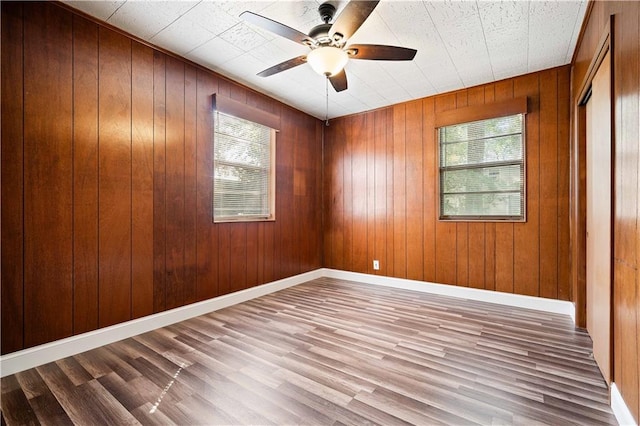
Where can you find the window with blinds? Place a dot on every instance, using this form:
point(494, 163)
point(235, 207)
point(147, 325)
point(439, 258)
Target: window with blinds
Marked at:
point(482, 170)
point(244, 181)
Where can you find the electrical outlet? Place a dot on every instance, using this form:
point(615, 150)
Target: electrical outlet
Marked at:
point(376, 265)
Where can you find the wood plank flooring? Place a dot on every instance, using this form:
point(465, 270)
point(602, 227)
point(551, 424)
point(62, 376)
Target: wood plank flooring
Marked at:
point(328, 352)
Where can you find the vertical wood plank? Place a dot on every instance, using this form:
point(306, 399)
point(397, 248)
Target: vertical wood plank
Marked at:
point(399, 192)
point(206, 235)
point(633, 127)
point(431, 163)
point(85, 175)
point(175, 189)
point(347, 176)
point(578, 220)
point(12, 180)
point(190, 185)
point(489, 256)
point(114, 115)
point(302, 191)
point(371, 177)
point(504, 231)
point(298, 190)
point(359, 192)
point(305, 192)
point(284, 243)
point(625, 343)
point(318, 152)
point(563, 191)
point(380, 190)
point(390, 191)
point(159, 182)
point(337, 197)
point(462, 254)
point(626, 148)
point(282, 165)
point(526, 241)
point(330, 187)
point(446, 236)
point(252, 255)
point(269, 251)
point(414, 200)
point(301, 177)
point(260, 253)
point(224, 258)
point(48, 185)
point(142, 180)
point(548, 178)
point(237, 256)
point(294, 249)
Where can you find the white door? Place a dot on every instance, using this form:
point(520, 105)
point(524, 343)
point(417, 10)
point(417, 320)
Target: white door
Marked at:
point(599, 248)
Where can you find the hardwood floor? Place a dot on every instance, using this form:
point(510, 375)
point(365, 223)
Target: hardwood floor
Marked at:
point(328, 352)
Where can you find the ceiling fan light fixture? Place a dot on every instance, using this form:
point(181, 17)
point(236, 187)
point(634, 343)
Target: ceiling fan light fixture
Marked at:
point(327, 60)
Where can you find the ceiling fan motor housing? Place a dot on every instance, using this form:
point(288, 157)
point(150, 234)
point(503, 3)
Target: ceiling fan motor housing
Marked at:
point(320, 33)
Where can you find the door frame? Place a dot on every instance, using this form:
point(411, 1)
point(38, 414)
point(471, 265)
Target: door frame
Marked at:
point(578, 201)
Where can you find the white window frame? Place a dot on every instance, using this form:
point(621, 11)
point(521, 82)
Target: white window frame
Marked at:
point(523, 187)
point(271, 187)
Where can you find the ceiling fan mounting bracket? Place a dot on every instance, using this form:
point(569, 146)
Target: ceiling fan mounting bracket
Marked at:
point(327, 11)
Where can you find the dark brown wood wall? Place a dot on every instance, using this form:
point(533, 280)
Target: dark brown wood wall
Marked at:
point(380, 201)
point(106, 182)
point(626, 234)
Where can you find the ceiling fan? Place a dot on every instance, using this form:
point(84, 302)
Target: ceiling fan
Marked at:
point(328, 42)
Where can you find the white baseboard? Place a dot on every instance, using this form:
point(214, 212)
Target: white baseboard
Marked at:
point(32, 357)
point(529, 302)
point(620, 409)
point(48, 352)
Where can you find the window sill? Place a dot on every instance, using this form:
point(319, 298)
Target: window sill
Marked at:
point(481, 220)
point(243, 219)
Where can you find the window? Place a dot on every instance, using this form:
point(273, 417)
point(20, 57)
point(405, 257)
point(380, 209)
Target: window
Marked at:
point(482, 170)
point(244, 178)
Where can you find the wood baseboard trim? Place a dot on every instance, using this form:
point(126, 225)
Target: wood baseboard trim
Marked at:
point(509, 299)
point(620, 408)
point(32, 357)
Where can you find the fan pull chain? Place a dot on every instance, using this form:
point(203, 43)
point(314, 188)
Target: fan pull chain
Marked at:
point(326, 117)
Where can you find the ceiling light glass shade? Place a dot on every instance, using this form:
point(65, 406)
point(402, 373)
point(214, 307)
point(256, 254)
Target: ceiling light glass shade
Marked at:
point(327, 60)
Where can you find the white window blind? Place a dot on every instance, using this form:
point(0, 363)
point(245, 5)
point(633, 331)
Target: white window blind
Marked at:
point(482, 170)
point(243, 169)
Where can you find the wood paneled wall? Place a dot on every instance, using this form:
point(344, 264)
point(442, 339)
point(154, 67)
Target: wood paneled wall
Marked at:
point(107, 182)
point(380, 199)
point(626, 235)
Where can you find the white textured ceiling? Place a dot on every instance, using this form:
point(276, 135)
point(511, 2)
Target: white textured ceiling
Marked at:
point(460, 44)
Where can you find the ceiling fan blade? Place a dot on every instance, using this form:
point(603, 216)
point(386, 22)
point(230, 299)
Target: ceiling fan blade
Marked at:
point(339, 81)
point(380, 52)
point(274, 27)
point(283, 66)
point(351, 17)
